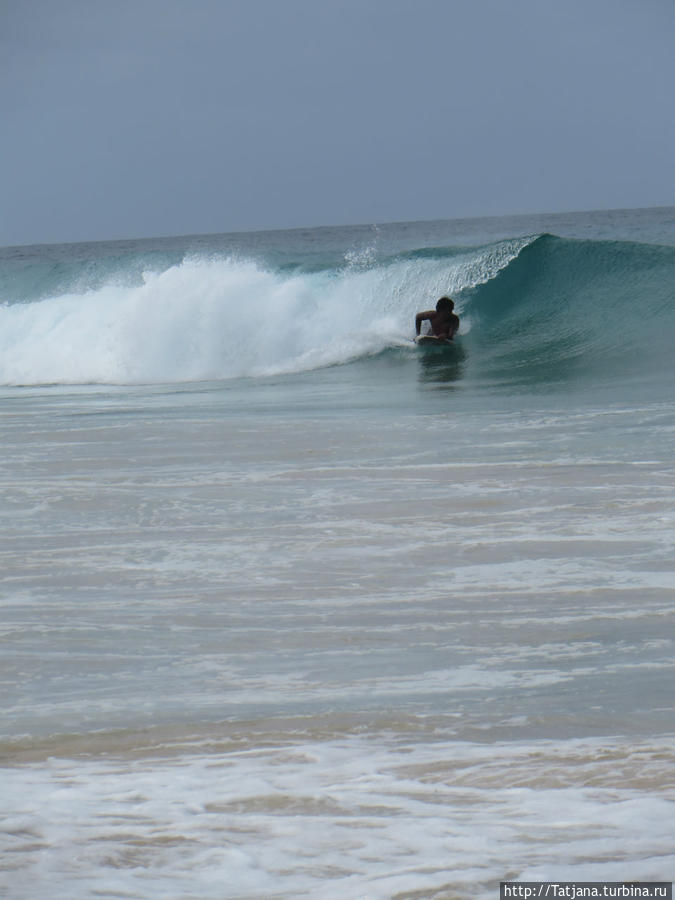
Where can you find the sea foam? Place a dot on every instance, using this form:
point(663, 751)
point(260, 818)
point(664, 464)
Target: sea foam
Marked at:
point(208, 319)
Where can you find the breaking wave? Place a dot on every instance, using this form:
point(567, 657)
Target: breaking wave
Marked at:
point(532, 307)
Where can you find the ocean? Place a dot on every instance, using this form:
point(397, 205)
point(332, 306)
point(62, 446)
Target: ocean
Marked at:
point(294, 608)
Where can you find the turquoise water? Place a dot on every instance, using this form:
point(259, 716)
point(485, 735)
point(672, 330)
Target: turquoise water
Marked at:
point(291, 608)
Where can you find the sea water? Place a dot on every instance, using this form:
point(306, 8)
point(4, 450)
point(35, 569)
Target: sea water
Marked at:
point(292, 608)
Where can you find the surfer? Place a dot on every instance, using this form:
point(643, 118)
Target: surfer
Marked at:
point(444, 322)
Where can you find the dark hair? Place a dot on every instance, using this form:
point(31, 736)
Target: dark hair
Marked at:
point(445, 303)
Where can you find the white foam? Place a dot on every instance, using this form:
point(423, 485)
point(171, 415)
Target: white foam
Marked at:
point(222, 318)
point(348, 817)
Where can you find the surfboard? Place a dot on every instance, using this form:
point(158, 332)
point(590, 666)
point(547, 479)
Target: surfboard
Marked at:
point(430, 340)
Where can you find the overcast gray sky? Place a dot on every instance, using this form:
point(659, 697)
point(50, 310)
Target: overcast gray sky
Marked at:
point(141, 118)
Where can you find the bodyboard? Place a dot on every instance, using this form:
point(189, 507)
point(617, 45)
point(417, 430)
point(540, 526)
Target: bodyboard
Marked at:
point(430, 340)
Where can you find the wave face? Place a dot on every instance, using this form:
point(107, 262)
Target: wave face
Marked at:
point(567, 310)
point(536, 308)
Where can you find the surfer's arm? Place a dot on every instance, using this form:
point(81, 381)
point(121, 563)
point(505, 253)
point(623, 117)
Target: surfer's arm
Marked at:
point(422, 317)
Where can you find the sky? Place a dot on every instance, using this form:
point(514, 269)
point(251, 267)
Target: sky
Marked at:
point(142, 118)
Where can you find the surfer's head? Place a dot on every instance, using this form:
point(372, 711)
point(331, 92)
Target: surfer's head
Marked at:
point(445, 304)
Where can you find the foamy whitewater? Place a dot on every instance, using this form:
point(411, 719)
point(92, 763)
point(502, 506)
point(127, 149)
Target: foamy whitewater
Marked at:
point(294, 608)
